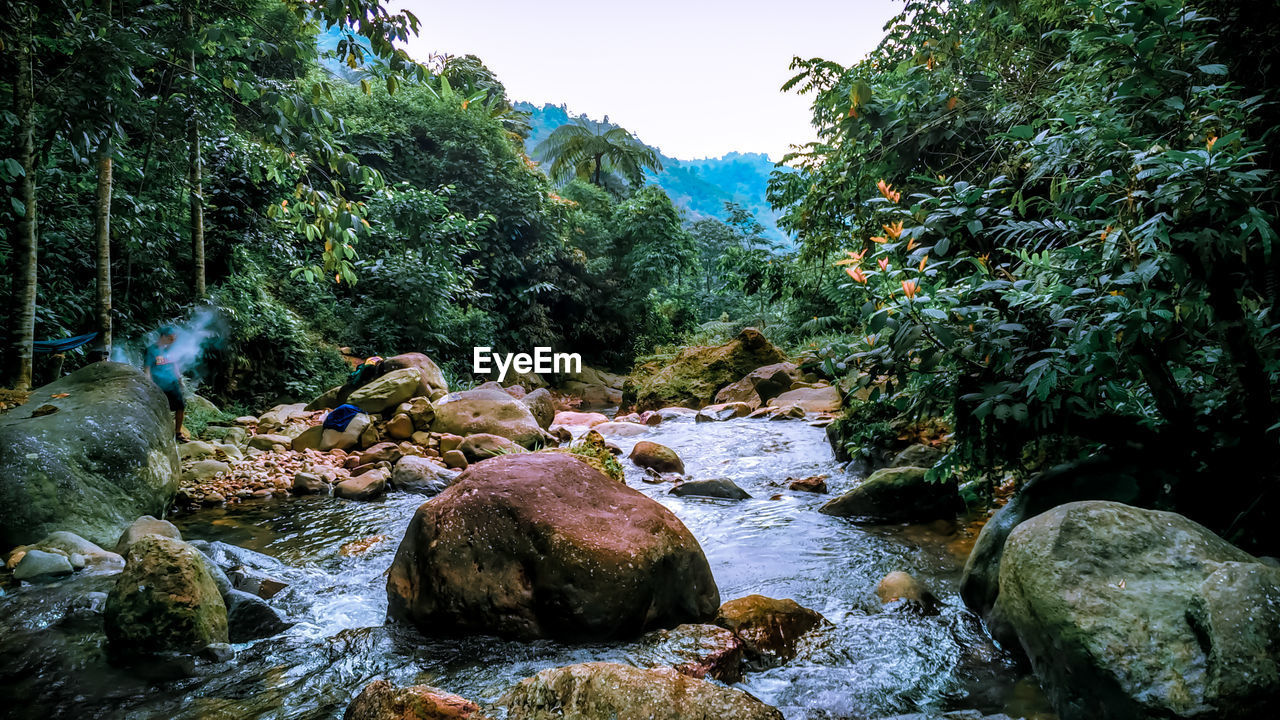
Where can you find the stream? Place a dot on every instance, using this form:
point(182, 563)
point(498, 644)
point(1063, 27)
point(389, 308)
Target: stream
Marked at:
point(875, 661)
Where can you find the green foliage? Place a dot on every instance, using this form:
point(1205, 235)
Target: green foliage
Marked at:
point(1057, 219)
point(604, 155)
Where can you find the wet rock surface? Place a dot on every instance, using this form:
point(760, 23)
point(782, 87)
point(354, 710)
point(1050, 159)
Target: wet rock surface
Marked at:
point(543, 545)
point(106, 456)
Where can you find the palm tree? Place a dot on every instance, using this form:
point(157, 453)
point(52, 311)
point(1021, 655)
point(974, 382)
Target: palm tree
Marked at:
point(588, 150)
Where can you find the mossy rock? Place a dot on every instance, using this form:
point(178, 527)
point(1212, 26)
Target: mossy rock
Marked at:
point(697, 373)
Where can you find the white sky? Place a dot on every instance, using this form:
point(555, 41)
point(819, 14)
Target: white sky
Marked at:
point(697, 78)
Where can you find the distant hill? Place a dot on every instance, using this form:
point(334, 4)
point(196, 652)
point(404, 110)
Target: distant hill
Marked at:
point(700, 187)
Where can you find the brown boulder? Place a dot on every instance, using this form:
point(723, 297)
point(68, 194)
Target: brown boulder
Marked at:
point(380, 700)
point(768, 628)
point(661, 458)
point(543, 545)
point(365, 486)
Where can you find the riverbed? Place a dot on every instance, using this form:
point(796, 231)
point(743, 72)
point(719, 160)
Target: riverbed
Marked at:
point(873, 661)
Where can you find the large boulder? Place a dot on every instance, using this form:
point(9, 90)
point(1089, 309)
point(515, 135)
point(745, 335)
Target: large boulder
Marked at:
point(165, 600)
point(544, 545)
point(380, 700)
point(1132, 613)
point(432, 383)
point(1093, 479)
point(487, 411)
point(104, 457)
point(592, 691)
point(387, 391)
point(893, 495)
point(697, 373)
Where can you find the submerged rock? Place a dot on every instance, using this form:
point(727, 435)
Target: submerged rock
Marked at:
point(104, 458)
point(892, 495)
point(1132, 613)
point(249, 617)
point(769, 629)
point(543, 545)
point(718, 488)
point(900, 586)
point(593, 691)
point(165, 600)
point(380, 700)
point(695, 650)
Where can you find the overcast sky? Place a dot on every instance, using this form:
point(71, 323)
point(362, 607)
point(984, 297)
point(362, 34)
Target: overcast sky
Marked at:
point(697, 78)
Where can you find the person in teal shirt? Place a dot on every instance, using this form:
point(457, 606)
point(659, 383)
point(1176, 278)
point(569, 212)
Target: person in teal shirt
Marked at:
point(167, 376)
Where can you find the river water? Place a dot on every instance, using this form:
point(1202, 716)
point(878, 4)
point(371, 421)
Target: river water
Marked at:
point(875, 661)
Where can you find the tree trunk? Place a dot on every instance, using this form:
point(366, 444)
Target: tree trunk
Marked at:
point(595, 176)
point(194, 177)
point(102, 232)
point(26, 243)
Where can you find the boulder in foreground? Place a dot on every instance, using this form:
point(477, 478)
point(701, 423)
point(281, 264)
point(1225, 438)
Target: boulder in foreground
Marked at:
point(105, 457)
point(544, 545)
point(1132, 613)
point(592, 691)
point(165, 600)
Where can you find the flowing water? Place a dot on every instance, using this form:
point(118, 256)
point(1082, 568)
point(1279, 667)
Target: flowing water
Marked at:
point(874, 661)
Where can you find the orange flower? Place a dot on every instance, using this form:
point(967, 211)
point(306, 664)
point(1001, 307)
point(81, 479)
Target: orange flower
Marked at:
point(951, 104)
point(910, 287)
point(911, 242)
point(871, 340)
point(893, 230)
point(888, 192)
point(1105, 232)
point(1209, 143)
point(884, 264)
point(856, 274)
point(879, 239)
point(924, 261)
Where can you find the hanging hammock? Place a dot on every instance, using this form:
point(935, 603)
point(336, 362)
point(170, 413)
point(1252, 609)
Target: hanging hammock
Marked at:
point(60, 346)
